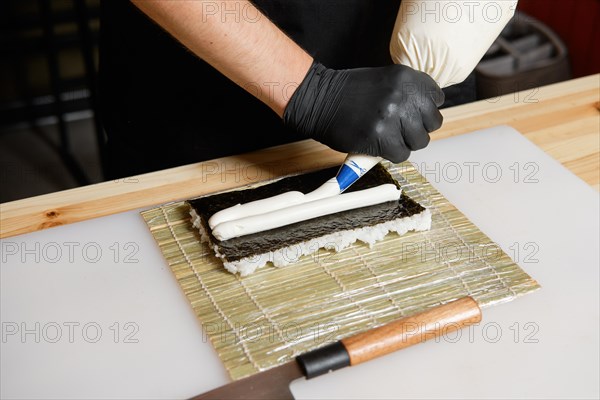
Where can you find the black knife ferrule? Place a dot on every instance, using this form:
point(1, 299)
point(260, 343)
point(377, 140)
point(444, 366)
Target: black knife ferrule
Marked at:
point(323, 360)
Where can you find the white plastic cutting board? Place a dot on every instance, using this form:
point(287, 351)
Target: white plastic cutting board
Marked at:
point(91, 310)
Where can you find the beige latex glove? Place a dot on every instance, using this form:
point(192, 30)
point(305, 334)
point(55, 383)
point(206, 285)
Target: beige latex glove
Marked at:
point(446, 39)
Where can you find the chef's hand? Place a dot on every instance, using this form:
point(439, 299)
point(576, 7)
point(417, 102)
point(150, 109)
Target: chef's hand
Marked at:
point(386, 111)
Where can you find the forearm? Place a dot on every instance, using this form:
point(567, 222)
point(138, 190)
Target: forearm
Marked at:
point(237, 40)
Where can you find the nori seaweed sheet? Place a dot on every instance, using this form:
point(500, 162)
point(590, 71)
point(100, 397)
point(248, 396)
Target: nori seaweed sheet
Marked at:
point(262, 242)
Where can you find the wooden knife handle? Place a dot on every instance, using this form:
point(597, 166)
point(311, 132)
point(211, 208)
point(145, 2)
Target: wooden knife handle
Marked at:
point(411, 330)
point(394, 336)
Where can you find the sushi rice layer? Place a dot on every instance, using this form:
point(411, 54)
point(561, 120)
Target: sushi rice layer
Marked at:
point(336, 241)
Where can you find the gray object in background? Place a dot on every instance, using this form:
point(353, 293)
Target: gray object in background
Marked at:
point(527, 54)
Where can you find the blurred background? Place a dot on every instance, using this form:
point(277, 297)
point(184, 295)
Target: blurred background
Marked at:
point(51, 139)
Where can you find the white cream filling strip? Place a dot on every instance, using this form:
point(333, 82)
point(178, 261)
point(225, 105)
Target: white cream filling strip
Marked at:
point(292, 213)
point(284, 200)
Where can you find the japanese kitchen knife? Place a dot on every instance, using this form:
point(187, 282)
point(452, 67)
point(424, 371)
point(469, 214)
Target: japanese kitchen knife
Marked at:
point(397, 335)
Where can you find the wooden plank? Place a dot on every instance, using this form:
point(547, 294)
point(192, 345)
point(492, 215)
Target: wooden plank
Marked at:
point(563, 119)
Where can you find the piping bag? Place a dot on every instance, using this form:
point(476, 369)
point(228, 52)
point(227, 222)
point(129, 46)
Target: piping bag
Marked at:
point(444, 42)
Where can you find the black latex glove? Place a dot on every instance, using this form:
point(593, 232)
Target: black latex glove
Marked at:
point(385, 111)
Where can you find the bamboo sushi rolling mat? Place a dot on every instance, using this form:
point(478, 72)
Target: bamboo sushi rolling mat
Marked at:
point(275, 314)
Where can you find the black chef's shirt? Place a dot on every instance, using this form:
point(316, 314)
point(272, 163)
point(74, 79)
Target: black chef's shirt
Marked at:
point(161, 106)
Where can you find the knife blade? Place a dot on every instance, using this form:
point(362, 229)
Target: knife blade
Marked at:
point(397, 335)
